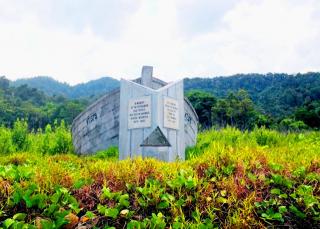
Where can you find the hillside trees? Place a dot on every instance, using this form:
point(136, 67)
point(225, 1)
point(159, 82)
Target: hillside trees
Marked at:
point(4, 83)
point(309, 114)
point(289, 124)
point(275, 94)
point(237, 110)
point(68, 110)
point(275, 97)
point(84, 90)
point(38, 109)
point(202, 103)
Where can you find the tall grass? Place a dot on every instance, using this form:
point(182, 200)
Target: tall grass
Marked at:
point(232, 179)
point(52, 140)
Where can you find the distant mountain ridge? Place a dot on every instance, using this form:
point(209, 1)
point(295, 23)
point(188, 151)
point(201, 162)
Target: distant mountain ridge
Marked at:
point(52, 87)
point(276, 94)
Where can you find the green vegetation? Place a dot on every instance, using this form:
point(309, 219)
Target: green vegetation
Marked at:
point(53, 140)
point(238, 110)
point(278, 101)
point(202, 103)
point(276, 95)
point(33, 105)
point(52, 87)
point(231, 179)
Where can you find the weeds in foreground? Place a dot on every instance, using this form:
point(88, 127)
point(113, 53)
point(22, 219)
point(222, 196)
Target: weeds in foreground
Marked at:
point(232, 179)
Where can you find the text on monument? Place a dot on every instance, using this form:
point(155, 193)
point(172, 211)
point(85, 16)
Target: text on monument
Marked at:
point(139, 112)
point(171, 113)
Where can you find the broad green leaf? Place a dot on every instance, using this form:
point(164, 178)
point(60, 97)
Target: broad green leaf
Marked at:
point(79, 183)
point(17, 197)
point(163, 204)
point(177, 225)
point(133, 224)
point(106, 193)
point(275, 191)
point(124, 200)
point(90, 215)
point(282, 209)
point(101, 209)
point(8, 222)
point(19, 216)
point(28, 201)
point(46, 224)
point(111, 212)
point(277, 216)
point(297, 212)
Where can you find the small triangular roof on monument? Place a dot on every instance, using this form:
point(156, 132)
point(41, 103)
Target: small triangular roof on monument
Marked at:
point(156, 139)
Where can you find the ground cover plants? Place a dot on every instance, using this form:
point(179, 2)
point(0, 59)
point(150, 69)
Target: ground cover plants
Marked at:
point(231, 179)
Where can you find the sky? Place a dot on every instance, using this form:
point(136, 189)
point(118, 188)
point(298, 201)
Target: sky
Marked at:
point(76, 41)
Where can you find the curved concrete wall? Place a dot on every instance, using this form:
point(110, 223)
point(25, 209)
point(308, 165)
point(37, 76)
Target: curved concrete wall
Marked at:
point(97, 128)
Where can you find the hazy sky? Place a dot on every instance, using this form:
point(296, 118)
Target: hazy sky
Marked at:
point(76, 41)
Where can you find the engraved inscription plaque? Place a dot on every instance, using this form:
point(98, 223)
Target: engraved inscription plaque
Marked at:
point(139, 112)
point(170, 113)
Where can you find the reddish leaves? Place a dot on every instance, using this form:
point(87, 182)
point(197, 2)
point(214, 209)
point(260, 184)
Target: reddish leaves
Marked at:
point(88, 196)
point(201, 170)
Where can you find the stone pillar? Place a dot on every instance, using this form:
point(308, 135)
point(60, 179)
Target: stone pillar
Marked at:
point(146, 76)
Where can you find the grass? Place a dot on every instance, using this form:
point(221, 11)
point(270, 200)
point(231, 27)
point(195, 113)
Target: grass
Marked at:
point(231, 179)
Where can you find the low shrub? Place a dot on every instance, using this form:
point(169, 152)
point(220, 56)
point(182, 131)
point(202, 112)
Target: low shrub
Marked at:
point(230, 182)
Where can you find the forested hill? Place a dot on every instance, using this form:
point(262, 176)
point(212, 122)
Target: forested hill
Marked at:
point(275, 94)
point(52, 87)
point(24, 102)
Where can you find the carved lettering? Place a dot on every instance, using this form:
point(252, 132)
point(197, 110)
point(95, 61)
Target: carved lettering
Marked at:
point(91, 118)
point(187, 118)
point(170, 113)
point(139, 112)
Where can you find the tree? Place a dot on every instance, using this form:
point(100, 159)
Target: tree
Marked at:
point(289, 124)
point(67, 111)
point(4, 83)
point(237, 109)
point(277, 95)
point(202, 103)
point(20, 135)
point(33, 105)
point(309, 114)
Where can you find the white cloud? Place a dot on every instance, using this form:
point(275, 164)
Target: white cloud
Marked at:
point(249, 36)
point(259, 36)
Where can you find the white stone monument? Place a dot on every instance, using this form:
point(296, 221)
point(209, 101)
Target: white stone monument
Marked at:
point(151, 121)
point(146, 117)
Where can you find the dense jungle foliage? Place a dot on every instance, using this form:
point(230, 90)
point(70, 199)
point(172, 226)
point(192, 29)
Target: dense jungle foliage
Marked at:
point(34, 105)
point(237, 109)
point(231, 179)
point(276, 95)
point(278, 101)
